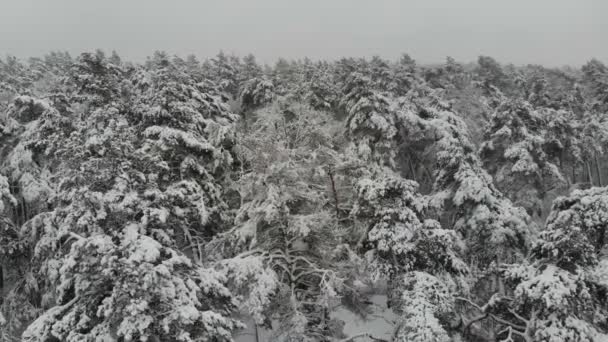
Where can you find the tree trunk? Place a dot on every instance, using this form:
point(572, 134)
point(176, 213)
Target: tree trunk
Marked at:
point(501, 285)
point(412, 172)
point(335, 193)
point(599, 170)
point(589, 176)
point(1, 285)
point(562, 169)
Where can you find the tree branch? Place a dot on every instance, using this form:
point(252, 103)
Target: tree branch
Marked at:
point(472, 321)
point(507, 323)
point(521, 318)
point(362, 335)
point(470, 302)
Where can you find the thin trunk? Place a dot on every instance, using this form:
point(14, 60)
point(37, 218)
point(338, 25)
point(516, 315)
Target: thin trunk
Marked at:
point(335, 192)
point(599, 170)
point(15, 212)
point(257, 334)
point(601, 240)
point(501, 285)
point(412, 172)
point(561, 167)
point(589, 175)
point(21, 212)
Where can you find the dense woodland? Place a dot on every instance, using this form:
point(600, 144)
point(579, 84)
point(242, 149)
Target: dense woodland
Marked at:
point(176, 199)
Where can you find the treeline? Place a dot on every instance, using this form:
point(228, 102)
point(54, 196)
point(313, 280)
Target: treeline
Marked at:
point(171, 200)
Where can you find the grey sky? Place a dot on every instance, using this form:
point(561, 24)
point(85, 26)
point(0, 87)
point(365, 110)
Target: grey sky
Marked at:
point(551, 32)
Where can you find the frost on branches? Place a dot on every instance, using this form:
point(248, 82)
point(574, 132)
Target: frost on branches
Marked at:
point(425, 299)
point(404, 247)
point(576, 234)
point(136, 180)
point(520, 153)
point(256, 92)
point(160, 201)
point(370, 121)
point(404, 243)
point(402, 239)
point(316, 86)
point(5, 194)
point(462, 191)
point(561, 295)
point(135, 292)
point(288, 261)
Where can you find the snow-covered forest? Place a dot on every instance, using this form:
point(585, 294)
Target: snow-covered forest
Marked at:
point(186, 199)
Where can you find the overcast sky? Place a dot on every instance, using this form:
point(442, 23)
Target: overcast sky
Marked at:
point(550, 32)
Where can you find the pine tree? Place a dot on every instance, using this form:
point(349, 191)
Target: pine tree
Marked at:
point(596, 78)
point(517, 151)
point(560, 295)
point(224, 71)
point(135, 181)
point(404, 244)
point(288, 245)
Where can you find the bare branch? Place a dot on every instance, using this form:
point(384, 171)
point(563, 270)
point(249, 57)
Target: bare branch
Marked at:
point(521, 318)
point(470, 302)
point(363, 335)
point(505, 322)
point(474, 320)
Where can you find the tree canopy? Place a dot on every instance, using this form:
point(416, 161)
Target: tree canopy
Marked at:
point(191, 200)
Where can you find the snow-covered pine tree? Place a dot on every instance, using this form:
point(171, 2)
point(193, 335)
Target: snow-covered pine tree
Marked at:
point(95, 79)
point(255, 93)
point(403, 243)
point(287, 252)
point(115, 177)
point(595, 77)
point(225, 70)
point(518, 152)
point(561, 294)
point(462, 196)
point(249, 68)
point(136, 193)
point(34, 123)
point(316, 86)
point(15, 76)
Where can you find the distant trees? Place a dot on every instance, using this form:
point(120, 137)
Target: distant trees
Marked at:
point(256, 92)
point(491, 73)
point(595, 75)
